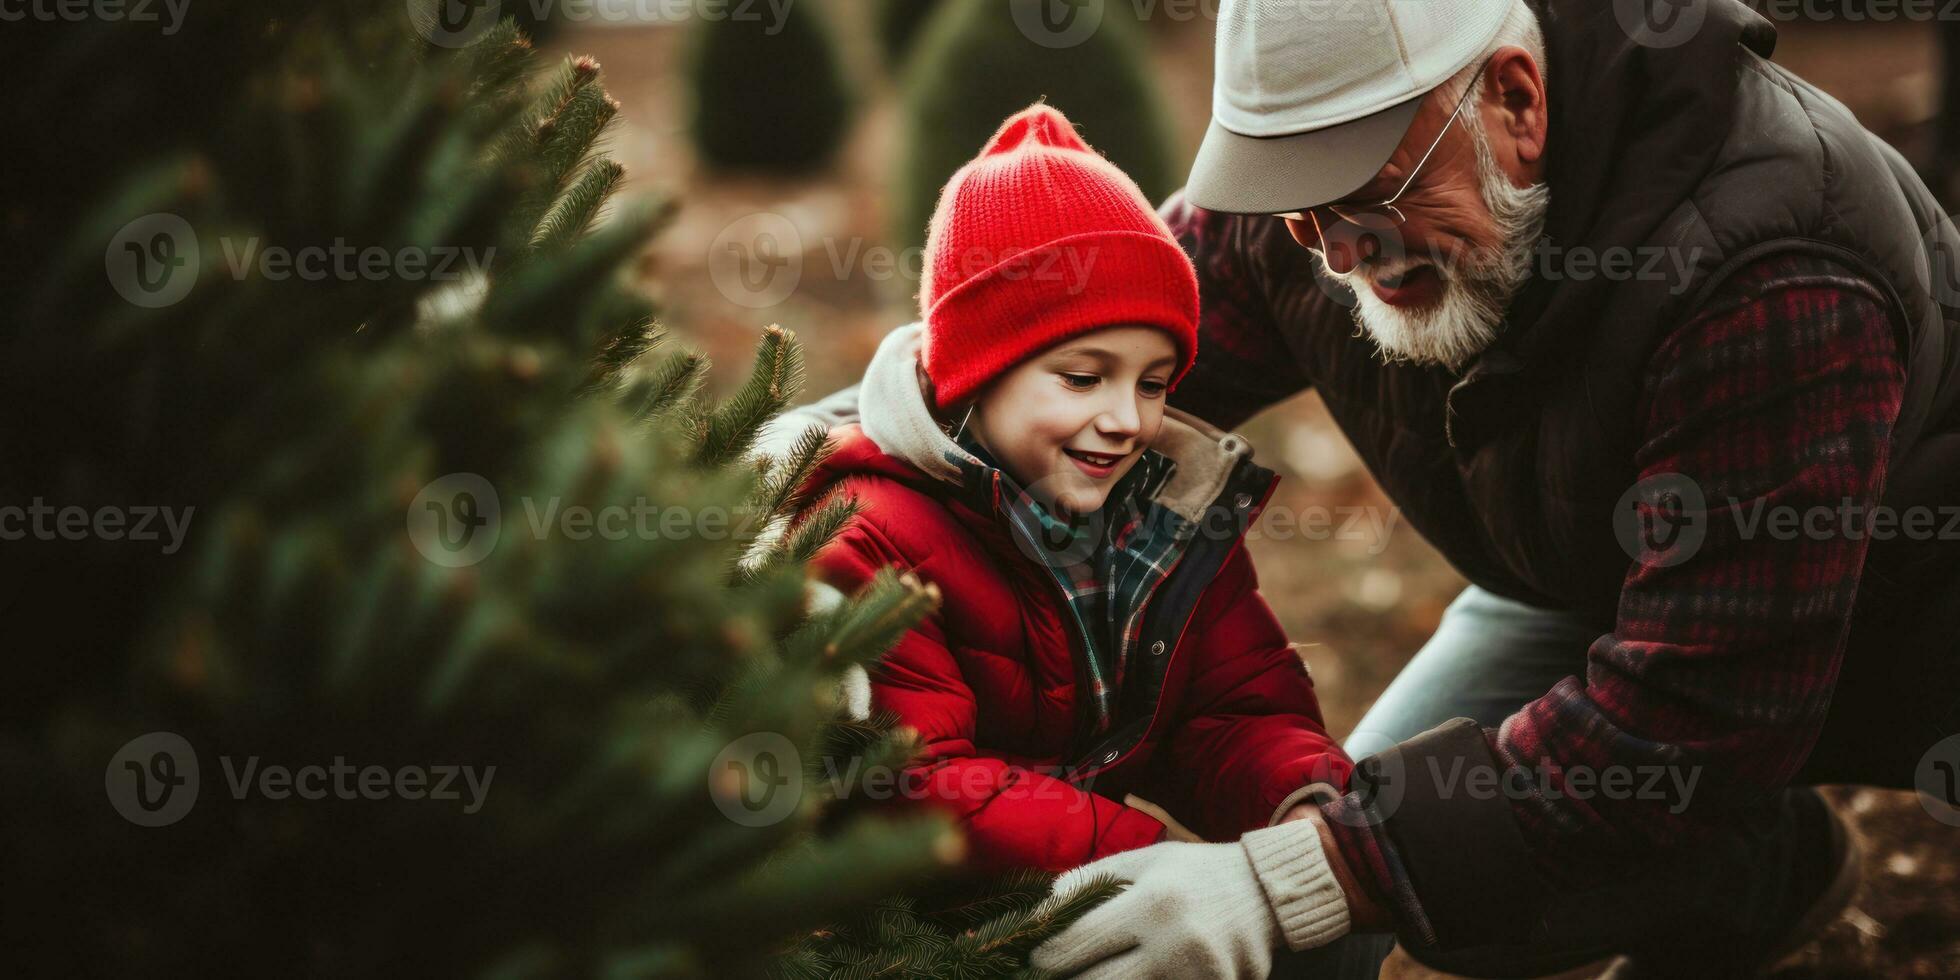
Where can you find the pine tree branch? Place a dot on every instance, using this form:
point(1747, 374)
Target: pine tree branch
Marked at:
point(670, 386)
point(778, 376)
point(573, 214)
point(781, 493)
point(811, 533)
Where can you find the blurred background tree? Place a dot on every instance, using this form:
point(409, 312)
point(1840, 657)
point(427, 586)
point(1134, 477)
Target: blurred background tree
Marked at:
point(979, 61)
point(769, 94)
point(899, 22)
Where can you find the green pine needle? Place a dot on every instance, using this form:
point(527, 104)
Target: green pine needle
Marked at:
point(575, 211)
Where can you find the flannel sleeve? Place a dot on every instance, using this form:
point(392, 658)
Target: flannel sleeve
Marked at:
point(1778, 398)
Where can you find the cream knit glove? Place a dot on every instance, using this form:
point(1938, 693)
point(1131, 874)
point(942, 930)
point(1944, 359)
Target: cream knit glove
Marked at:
point(1203, 910)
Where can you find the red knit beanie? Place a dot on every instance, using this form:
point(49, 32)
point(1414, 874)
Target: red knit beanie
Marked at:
point(1039, 239)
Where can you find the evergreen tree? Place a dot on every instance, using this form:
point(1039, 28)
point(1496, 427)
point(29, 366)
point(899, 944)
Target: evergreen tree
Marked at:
point(899, 23)
point(344, 300)
point(767, 90)
point(981, 61)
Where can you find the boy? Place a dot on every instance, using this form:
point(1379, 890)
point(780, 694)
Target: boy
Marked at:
point(1101, 632)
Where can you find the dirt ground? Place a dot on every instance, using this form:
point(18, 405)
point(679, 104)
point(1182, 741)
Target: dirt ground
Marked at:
point(1362, 603)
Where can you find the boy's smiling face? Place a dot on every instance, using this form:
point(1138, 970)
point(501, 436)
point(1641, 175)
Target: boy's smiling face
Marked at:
point(1070, 421)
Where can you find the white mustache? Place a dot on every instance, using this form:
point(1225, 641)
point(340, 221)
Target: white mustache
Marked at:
point(1383, 271)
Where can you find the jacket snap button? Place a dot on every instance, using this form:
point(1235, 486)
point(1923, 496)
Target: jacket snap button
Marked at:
point(1109, 757)
point(1157, 649)
point(1244, 500)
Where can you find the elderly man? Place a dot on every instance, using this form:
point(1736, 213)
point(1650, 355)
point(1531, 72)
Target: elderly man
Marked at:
point(1632, 303)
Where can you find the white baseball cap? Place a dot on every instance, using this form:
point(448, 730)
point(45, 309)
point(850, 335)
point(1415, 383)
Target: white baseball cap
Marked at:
point(1311, 97)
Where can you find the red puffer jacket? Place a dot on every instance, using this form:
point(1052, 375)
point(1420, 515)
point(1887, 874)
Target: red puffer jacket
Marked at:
point(1217, 720)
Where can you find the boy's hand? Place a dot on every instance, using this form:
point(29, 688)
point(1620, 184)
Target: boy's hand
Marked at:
point(1192, 910)
point(1206, 910)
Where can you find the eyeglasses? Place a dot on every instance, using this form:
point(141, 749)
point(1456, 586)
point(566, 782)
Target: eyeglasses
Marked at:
point(1385, 209)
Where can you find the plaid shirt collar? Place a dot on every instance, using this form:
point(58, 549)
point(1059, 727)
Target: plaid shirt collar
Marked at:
point(1107, 564)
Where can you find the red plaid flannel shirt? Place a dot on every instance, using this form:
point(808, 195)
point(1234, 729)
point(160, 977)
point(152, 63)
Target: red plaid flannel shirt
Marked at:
point(1727, 661)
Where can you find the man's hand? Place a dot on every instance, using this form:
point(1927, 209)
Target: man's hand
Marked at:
point(1194, 910)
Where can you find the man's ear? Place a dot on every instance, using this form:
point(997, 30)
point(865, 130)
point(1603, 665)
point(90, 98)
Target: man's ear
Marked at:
point(1516, 113)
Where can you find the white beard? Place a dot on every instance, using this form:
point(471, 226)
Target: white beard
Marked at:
point(1477, 288)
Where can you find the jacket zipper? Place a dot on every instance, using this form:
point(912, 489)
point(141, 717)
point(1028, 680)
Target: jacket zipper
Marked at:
point(1177, 645)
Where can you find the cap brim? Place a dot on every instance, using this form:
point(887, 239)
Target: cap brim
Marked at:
point(1275, 174)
